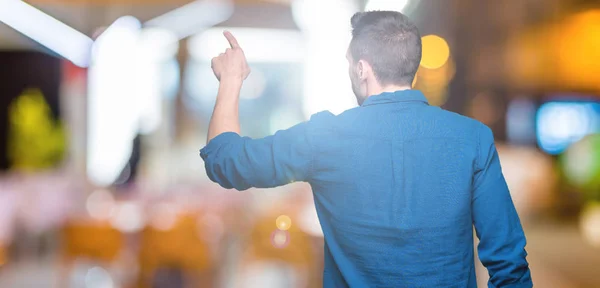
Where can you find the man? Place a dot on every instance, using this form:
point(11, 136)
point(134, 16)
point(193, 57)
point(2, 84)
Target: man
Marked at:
point(398, 184)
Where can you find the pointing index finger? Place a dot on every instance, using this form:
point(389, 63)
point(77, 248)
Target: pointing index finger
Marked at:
point(232, 41)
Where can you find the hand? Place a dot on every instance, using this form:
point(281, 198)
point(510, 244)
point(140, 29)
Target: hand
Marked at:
point(232, 64)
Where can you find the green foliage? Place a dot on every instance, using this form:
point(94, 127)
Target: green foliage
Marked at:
point(36, 141)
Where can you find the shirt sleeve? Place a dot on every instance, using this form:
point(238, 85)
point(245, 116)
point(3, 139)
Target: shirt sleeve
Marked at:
point(497, 225)
point(239, 162)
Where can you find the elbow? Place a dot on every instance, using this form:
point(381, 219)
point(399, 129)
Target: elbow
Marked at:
point(218, 173)
point(505, 258)
point(511, 271)
point(517, 280)
point(220, 161)
point(212, 171)
point(509, 274)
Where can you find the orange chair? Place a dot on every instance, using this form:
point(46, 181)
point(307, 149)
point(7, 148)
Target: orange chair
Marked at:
point(179, 247)
point(94, 240)
point(297, 252)
point(97, 241)
point(3, 256)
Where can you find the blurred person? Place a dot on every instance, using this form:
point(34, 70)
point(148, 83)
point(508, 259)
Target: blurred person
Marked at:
point(168, 278)
point(398, 184)
point(129, 173)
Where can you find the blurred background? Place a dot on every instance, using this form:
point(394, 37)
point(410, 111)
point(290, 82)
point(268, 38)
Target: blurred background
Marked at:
point(104, 105)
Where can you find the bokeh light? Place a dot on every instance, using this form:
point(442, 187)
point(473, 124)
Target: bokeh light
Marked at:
point(569, 60)
point(280, 239)
point(559, 124)
point(325, 22)
point(98, 277)
point(436, 69)
point(531, 186)
point(211, 227)
point(590, 224)
point(100, 204)
point(520, 121)
point(436, 52)
point(48, 31)
point(576, 45)
point(283, 222)
point(581, 163)
point(164, 216)
point(483, 108)
point(128, 217)
point(113, 114)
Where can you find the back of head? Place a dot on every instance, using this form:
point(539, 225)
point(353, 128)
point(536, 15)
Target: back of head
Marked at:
point(389, 42)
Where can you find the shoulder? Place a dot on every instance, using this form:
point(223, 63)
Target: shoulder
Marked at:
point(481, 133)
point(459, 119)
point(328, 117)
point(327, 121)
point(466, 126)
point(324, 126)
point(322, 117)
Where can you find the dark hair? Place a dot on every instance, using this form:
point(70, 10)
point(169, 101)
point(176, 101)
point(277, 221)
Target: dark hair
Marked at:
point(390, 42)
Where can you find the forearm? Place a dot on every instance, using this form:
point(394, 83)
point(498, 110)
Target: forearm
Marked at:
point(502, 240)
point(225, 117)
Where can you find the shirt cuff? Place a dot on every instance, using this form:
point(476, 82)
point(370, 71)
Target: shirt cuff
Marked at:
point(214, 144)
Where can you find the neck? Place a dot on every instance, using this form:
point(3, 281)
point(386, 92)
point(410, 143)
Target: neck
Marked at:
point(376, 90)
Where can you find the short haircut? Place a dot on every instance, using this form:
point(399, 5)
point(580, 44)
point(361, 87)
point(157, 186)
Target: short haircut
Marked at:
point(390, 42)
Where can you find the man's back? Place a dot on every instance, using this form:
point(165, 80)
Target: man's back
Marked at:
point(398, 185)
point(400, 208)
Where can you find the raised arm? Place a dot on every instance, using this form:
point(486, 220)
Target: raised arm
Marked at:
point(240, 162)
point(502, 241)
point(231, 68)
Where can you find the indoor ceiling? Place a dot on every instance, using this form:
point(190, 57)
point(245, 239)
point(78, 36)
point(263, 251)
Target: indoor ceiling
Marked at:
point(87, 16)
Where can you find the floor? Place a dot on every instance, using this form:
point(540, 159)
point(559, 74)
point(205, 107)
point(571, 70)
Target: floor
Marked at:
point(558, 258)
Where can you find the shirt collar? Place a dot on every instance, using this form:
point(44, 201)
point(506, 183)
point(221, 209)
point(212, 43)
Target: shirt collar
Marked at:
point(394, 97)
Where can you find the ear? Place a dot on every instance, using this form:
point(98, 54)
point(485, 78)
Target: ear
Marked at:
point(361, 69)
point(364, 69)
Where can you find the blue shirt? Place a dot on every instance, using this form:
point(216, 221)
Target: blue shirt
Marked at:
point(398, 187)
